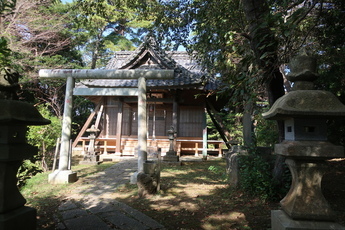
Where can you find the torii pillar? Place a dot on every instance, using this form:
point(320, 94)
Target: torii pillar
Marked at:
point(63, 174)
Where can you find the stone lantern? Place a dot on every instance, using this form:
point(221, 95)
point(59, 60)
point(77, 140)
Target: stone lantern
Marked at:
point(171, 154)
point(91, 157)
point(15, 116)
point(305, 112)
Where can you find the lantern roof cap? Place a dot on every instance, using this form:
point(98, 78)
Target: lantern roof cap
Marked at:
point(306, 103)
point(15, 112)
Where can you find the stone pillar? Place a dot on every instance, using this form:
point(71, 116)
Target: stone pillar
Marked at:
point(66, 125)
point(142, 124)
point(64, 174)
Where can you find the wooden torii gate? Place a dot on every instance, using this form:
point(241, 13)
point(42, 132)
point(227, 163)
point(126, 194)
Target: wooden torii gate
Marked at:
point(63, 174)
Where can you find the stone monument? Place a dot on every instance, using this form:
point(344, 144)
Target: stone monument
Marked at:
point(15, 116)
point(304, 112)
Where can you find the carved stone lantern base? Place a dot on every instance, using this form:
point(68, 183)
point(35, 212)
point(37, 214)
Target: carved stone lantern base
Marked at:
point(305, 207)
point(305, 200)
point(171, 156)
point(307, 163)
point(13, 213)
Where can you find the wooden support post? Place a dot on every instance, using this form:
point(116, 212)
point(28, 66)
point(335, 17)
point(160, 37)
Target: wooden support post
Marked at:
point(119, 128)
point(105, 147)
point(204, 137)
point(196, 150)
point(56, 153)
point(83, 146)
point(175, 115)
point(175, 121)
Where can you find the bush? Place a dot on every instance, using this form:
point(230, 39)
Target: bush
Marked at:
point(256, 177)
point(28, 169)
point(44, 138)
point(266, 131)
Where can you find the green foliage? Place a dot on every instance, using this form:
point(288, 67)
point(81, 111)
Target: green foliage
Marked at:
point(219, 171)
point(4, 54)
point(256, 177)
point(105, 26)
point(27, 170)
point(44, 138)
point(6, 6)
point(232, 126)
point(266, 131)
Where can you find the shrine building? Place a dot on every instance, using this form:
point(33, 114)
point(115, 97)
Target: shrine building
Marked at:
point(178, 103)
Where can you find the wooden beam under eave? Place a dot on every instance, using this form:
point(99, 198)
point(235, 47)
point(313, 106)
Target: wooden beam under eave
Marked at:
point(105, 92)
point(119, 127)
point(149, 100)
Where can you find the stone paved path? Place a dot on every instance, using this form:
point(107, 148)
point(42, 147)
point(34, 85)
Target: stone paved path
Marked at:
point(91, 207)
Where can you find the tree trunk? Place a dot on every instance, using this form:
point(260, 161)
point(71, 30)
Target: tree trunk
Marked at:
point(247, 121)
point(257, 13)
point(265, 50)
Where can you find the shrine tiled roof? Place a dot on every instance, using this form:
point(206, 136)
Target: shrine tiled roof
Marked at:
point(187, 73)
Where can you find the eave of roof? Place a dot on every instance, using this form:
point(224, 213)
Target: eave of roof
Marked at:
point(187, 73)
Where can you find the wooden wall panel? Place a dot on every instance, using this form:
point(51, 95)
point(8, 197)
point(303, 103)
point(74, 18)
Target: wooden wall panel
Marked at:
point(134, 121)
point(110, 117)
point(126, 120)
point(191, 122)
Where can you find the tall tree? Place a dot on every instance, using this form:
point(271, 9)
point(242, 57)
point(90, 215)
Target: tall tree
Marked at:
point(246, 43)
point(37, 33)
point(109, 25)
